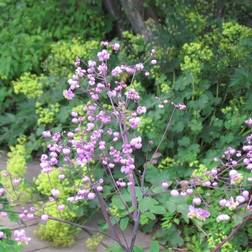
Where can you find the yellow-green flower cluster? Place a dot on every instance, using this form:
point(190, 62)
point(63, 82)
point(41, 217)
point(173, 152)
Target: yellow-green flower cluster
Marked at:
point(196, 22)
point(28, 84)
point(114, 211)
point(167, 163)
point(46, 115)
point(60, 234)
point(146, 125)
point(94, 241)
point(232, 34)
point(195, 53)
point(64, 53)
point(16, 164)
point(199, 170)
point(79, 109)
point(16, 168)
point(45, 183)
point(165, 88)
point(217, 237)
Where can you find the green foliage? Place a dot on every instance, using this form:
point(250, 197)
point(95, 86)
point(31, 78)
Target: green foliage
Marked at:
point(36, 55)
point(65, 232)
point(46, 115)
point(74, 213)
point(93, 242)
point(27, 32)
point(64, 53)
point(29, 85)
point(45, 184)
point(8, 245)
point(16, 164)
point(16, 168)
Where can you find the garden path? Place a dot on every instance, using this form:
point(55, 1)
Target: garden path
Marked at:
point(43, 246)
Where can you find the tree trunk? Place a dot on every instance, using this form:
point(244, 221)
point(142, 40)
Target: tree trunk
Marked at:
point(133, 10)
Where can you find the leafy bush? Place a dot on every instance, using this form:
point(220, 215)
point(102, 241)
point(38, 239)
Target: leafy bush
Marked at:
point(27, 38)
point(65, 233)
point(66, 186)
point(13, 179)
point(25, 26)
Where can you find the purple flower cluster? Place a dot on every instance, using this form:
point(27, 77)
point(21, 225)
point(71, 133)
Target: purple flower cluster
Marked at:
point(21, 237)
point(233, 176)
point(198, 213)
point(103, 132)
point(27, 214)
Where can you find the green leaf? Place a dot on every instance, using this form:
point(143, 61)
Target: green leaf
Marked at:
point(147, 204)
point(124, 223)
point(137, 249)
point(158, 210)
point(115, 248)
point(154, 246)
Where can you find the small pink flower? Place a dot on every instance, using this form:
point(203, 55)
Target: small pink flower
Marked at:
point(61, 176)
point(1, 235)
point(153, 62)
point(55, 192)
point(99, 188)
point(222, 217)
point(20, 237)
point(223, 202)
point(46, 134)
point(2, 191)
point(103, 55)
point(165, 185)
point(61, 207)
point(141, 110)
point(196, 201)
point(174, 193)
point(189, 191)
point(44, 217)
point(116, 46)
point(91, 196)
point(68, 94)
point(249, 122)
point(136, 142)
point(3, 214)
point(16, 182)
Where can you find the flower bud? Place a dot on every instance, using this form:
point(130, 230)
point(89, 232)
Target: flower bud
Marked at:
point(223, 202)
point(91, 195)
point(196, 201)
point(174, 193)
point(165, 185)
point(44, 217)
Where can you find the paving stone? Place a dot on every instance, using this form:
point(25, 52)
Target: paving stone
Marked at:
point(36, 243)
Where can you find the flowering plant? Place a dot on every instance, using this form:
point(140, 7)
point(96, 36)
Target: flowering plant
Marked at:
point(106, 143)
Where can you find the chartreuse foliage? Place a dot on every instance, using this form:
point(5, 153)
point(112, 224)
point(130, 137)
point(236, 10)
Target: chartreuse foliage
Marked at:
point(66, 233)
point(14, 181)
point(7, 244)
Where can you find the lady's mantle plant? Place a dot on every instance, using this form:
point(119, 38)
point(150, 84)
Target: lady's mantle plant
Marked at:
point(106, 142)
